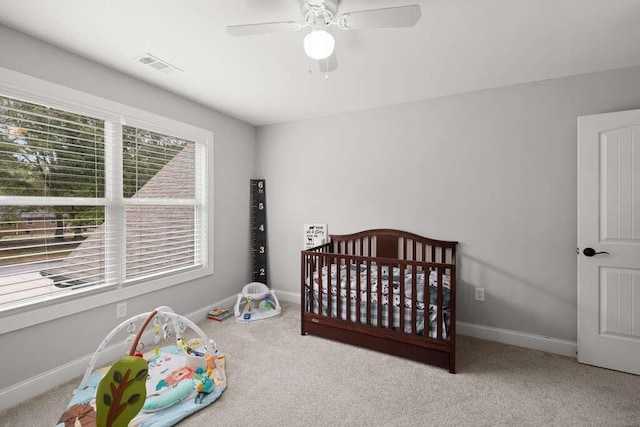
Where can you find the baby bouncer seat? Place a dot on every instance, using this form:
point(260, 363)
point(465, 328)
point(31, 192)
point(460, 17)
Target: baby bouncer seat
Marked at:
point(258, 302)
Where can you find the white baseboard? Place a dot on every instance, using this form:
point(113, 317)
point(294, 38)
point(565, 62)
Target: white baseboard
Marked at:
point(17, 393)
point(504, 336)
point(24, 390)
point(520, 339)
point(33, 386)
point(287, 296)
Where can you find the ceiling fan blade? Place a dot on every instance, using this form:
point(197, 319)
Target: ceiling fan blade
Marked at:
point(329, 64)
point(402, 16)
point(266, 27)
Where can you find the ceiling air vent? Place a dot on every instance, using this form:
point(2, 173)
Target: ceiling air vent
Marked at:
point(157, 63)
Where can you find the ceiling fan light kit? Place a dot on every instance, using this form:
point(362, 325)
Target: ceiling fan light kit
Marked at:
point(319, 44)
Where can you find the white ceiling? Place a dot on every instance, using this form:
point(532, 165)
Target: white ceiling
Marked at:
point(458, 46)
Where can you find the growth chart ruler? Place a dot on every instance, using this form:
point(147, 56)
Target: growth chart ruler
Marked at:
point(259, 230)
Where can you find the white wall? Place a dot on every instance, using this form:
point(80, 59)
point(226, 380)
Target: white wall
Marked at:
point(494, 170)
point(27, 352)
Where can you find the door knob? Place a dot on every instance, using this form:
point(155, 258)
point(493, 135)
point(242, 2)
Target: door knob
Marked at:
point(591, 252)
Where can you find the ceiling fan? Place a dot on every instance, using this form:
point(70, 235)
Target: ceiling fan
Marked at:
point(319, 15)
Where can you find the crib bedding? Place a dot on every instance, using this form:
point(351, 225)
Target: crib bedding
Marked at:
point(348, 285)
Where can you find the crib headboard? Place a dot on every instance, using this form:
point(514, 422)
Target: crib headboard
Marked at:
point(395, 244)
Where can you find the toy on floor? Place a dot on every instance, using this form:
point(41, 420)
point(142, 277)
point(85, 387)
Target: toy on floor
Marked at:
point(246, 313)
point(122, 391)
point(156, 388)
point(267, 305)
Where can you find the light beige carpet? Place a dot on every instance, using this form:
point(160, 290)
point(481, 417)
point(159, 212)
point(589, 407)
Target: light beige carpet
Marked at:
point(278, 377)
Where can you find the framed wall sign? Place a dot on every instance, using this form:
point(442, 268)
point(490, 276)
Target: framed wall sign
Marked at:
point(315, 235)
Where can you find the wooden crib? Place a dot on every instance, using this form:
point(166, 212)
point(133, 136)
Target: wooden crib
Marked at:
point(385, 290)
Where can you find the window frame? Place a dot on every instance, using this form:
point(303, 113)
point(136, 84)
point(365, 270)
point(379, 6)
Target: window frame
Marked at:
point(115, 115)
point(200, 194)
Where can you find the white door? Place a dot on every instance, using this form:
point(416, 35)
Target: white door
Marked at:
point(609, 221)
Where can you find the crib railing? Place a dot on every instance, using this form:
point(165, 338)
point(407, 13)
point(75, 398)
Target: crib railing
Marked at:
point(352, 299)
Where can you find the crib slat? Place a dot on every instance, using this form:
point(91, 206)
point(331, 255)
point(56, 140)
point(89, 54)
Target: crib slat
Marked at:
point(404, 248)
point(401, 307)
point(304, 288)
point(318, 265)
point(312, 296)
point(369, 293)
point(340, 262)
point(414, 299)
point(358, 299)
point(451, 335)
point(379, 292)
point(347, 300)
point(331, 263)
point(327, 294)
point(390, 298)
point(439, 304)
point(414, 255)
point(325, 264)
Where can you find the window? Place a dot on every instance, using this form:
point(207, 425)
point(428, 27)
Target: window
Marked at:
point(160, 198)
point(87, 202)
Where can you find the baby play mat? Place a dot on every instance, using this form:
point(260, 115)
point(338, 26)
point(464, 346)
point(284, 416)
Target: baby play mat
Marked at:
point(180, 379)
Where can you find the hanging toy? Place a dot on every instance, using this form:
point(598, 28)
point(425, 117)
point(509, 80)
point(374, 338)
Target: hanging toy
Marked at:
point(139, 350)
point(165, 331)
point(131, 329)
point(156, 331)
point(179, 329)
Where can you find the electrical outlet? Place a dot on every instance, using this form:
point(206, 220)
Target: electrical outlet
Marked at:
point(121, 309)
point(479, 294)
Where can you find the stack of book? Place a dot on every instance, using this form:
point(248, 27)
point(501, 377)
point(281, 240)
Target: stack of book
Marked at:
point(220, 314)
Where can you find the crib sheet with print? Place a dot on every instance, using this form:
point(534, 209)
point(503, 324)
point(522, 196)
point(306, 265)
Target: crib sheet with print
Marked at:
point(347, 283)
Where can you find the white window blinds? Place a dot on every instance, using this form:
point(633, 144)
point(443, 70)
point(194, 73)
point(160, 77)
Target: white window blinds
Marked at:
point(52, 183)
point(87, 202)
point(160, 187)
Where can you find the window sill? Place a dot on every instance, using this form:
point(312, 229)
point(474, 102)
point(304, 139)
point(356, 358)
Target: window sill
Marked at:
point(28, 315)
